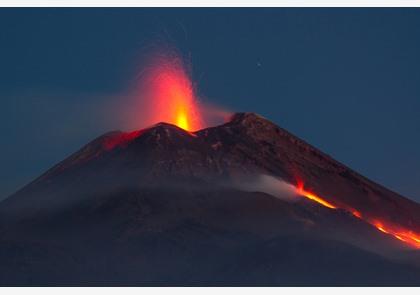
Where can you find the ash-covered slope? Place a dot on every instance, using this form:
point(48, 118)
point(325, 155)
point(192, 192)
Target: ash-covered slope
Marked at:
point(158, 207)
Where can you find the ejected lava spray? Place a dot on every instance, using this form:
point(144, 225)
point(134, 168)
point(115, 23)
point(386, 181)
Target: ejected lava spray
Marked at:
point(165, 92)
point(171, 94)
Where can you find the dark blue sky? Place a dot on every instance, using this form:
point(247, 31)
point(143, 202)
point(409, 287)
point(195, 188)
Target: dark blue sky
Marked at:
point(345, 80)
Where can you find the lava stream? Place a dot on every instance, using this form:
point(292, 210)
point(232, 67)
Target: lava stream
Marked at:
point(301, 191)
point(406, 236)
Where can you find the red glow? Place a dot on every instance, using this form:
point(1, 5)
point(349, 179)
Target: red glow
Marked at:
point(406, 236)
point(121, 139)
point(170, 94)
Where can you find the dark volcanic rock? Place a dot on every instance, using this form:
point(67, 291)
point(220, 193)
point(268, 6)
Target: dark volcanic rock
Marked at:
point(157, 207)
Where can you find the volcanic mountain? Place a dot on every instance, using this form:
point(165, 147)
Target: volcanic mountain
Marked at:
point(166, 207)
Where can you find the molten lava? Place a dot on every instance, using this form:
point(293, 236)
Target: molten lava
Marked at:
point(170, 94)
point(406, 236)
point(403, 235)
point(301, 191)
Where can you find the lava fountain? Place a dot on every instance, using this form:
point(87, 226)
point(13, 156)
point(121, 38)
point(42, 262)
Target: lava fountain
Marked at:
point(169, 93)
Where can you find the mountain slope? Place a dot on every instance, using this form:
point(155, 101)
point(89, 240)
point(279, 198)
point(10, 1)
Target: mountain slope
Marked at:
point(160, 206)
point(247, 145)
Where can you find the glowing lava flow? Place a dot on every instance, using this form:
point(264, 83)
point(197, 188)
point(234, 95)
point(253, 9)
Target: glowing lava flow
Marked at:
point(170, 93)
point(301, 191)
point(403, 235)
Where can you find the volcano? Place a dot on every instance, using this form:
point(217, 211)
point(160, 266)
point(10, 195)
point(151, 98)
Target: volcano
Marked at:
point(163, 206)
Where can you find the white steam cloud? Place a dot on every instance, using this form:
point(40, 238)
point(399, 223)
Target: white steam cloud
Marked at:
point(269, 185)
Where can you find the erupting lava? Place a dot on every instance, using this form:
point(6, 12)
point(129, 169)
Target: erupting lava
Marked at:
point(165, 92)
point(170, 94)
point(403, 235)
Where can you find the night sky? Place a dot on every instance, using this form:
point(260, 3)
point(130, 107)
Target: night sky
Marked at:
point(345, 80)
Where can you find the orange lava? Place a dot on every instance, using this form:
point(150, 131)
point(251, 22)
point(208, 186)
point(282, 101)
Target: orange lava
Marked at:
point(171, 97)
point(301, 191)
point(356, 214)
point(406, 236)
